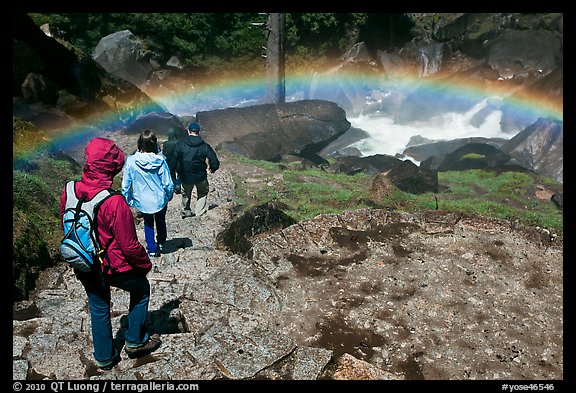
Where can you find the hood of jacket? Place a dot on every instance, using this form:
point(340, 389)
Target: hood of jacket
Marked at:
point(148, 160)
point(104, 160)
point(193, 140)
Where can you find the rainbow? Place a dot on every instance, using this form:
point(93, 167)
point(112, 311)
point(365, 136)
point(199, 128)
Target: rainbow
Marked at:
point(235, 91)
point(242, 91)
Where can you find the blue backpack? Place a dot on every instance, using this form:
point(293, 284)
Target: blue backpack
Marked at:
point(80, 247)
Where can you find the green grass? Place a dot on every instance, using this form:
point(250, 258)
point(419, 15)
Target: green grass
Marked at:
point(25, 137)
point(35, 220)
point(314, 192)
point(306, 193)
point(310, 192)
point(36, 195)
point(472, 156)
point(509, 196)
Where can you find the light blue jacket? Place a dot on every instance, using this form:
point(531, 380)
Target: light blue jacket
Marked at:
point(146, 182)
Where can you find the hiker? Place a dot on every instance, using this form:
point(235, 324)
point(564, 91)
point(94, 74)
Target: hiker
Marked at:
point(174, 135)
point(190, 159)
point(125, 262)
point(148, 187)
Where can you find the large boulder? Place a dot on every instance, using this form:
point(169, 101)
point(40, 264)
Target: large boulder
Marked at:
point(123, 55)
point(524, 54)
point(268, 131)
point(371, 165)
point(540, 148)
point(162, 123)
point(260, 219)
point(474, 156)
point(410, 178)
point(405, 175)
point(432, 153)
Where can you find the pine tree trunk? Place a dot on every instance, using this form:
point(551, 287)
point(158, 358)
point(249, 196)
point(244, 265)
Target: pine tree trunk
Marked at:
point(276, 91)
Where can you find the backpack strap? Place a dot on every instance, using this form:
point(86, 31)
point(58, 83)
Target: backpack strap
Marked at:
point(79, 204)
point(101, 252)
point(71, 198)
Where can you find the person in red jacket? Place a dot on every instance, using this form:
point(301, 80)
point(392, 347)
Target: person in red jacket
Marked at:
point(125, 262)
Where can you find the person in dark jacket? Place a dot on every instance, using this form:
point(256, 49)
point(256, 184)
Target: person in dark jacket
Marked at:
point(190, 160)
point(125, 262)
point(174, 136)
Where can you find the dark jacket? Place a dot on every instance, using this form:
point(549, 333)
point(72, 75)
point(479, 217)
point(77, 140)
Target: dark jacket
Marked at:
point(191, 158)
point(174, 136)
point(116, 229)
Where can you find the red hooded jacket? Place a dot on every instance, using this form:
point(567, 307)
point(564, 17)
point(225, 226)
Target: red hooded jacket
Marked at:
point(116, 229)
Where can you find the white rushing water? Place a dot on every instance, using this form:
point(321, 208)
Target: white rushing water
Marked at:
point(391, 139)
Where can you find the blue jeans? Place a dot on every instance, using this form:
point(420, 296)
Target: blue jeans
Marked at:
point(99, 298)
point(160, 219)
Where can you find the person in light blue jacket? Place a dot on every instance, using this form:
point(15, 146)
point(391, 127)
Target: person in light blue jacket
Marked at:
point(148, 187)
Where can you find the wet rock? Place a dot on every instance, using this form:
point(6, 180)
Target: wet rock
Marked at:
point(260, 219)
point(266, 132)
point(350, 368)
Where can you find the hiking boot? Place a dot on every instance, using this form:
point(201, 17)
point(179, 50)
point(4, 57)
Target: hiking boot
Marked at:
point(155, 254)
point(153, 344)
point(110, 366)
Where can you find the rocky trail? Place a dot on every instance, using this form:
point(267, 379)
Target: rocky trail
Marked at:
point(189, 257)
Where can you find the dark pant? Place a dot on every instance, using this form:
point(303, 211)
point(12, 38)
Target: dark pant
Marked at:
point(159, 219)
point(99, 298)
point(201, 206)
